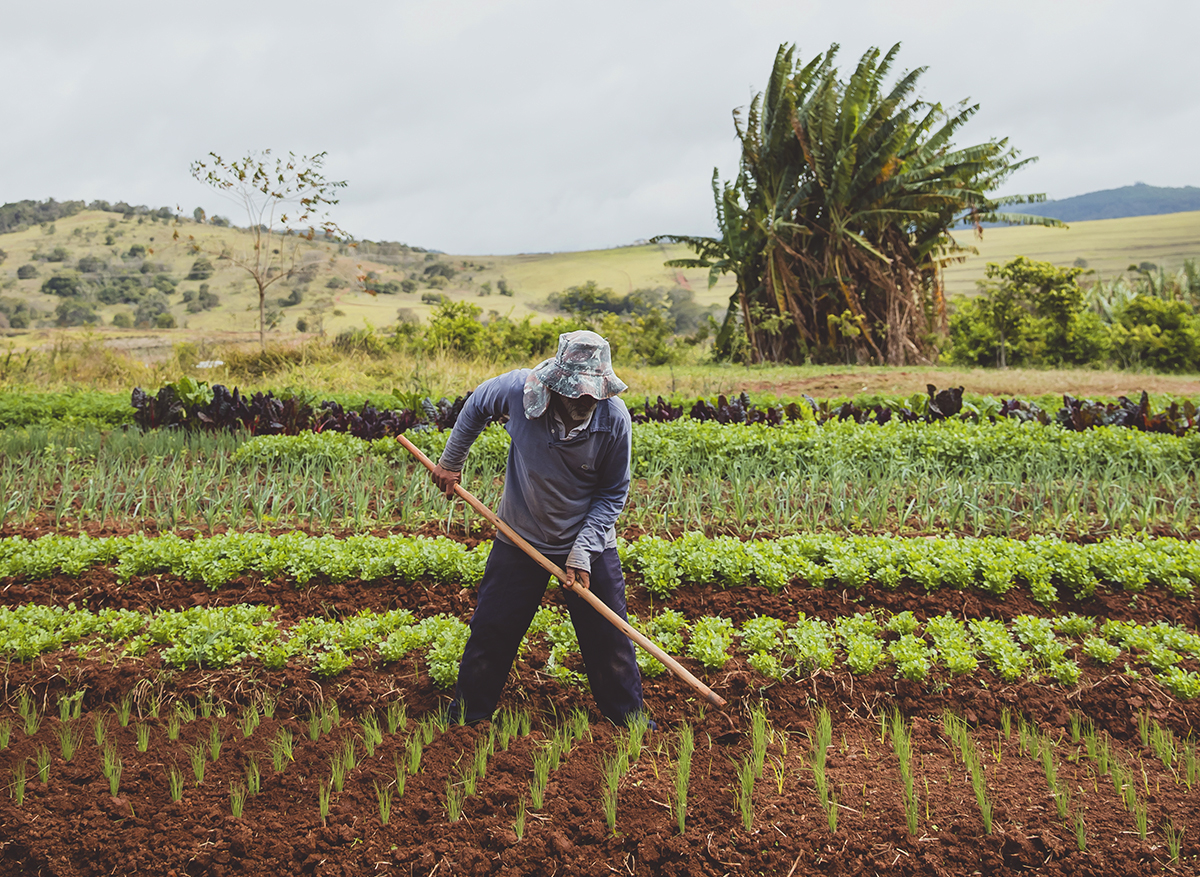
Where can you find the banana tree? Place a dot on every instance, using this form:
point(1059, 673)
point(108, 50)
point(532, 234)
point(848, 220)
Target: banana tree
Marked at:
point(840, 220)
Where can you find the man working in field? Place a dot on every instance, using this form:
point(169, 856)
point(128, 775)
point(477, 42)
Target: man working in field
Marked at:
point(566, 481)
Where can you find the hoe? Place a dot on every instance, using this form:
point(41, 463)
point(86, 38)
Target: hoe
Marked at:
point(554, 570)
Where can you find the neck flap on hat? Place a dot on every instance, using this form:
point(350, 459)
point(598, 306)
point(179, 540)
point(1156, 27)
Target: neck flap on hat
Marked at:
point(536, 397)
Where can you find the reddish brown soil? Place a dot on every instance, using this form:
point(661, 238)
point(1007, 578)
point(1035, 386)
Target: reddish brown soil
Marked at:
point(73, 826)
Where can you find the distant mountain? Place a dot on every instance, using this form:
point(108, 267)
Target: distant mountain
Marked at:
point(1136, 200)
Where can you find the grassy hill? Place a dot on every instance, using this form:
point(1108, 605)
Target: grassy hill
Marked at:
point(329, 288)
point(328, 291)
point(1108, 246)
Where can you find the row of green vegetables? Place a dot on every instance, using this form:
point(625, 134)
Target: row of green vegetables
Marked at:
point(992, 564)
point(1028, 647)
point(1019, 450)
point(947, 447)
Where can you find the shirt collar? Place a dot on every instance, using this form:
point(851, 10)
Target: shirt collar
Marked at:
point(561, 428)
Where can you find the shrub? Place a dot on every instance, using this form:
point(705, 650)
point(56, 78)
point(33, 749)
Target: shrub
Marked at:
point(1163, 335)
point(165, 321)
point(137, 251)
point(75, 313)
point(202, 269)
point(27, 272)
point(67, 284)
point(164, 284)
point(123, 319)
point(408, 286)
point(91, 264)
point(150, 307)
point(58, 254)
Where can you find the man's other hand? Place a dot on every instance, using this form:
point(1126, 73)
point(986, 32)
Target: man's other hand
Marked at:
point(580, 577)
point(445, 479)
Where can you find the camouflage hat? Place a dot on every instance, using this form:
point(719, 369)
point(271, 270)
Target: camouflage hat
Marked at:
point(582, 367)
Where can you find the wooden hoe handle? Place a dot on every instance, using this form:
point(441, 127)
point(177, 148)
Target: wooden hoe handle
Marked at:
point(616, 620)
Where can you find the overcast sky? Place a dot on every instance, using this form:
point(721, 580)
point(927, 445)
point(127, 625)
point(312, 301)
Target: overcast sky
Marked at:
point(503, 126)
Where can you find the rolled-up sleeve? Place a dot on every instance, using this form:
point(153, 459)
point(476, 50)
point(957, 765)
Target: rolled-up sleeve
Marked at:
point(608, 499)
point(488, 402)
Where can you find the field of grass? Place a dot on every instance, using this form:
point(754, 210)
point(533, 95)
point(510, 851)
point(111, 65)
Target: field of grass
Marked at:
point(1109, 246)
point(530, 277)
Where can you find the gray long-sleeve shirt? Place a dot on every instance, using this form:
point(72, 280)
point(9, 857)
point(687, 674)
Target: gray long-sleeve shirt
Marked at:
point(563, 496)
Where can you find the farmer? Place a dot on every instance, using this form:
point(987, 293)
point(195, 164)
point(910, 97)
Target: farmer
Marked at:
point(566, 481)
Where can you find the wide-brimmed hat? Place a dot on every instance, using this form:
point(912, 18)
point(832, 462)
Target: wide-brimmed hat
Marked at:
point(581, 367)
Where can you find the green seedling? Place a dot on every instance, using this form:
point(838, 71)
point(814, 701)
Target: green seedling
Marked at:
point(758, 739)
point(1143, 726)
point(639, 724)
point(467, 779)
point(123, 708)
point(581, 727)
point(69, 739)
point(383, 796)
point(541, 777)
point(525, 722)
point(112, 769)
point(482, 751)
point(1080, 833)
point(70, 706)
point(253, 777)
point(323, 795)
point(610, 771)
point(396, 716)
point(683, 774)
point(744, 793)
point(902, 746)
point(206, 706)
point(27, 710)
point(454, 800)
point(1174, 839)
point(413, 752)
point(42, 760)
point(268, 706)
point(372, 734)
point(433, 725)
point(237, 799)
point(1141, 819)
point(175, 783)
point(199, 759)
point(5, 733)
point(174, 721)
point(142, 732)
point(185, 711)
point(249, 720)
point(281, 749)
point(100, 731)
point(401, 775)
point(337, 771)
point(18, 783)
point(314, 726)
point(214, 741)
point(349, 754)
point(519, 822)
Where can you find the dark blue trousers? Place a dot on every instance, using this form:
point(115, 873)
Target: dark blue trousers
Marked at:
point(509, 594)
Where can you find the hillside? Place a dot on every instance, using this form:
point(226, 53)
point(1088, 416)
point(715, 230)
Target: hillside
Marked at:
point(1136, 200)
point(130, 268)
point(124, 260)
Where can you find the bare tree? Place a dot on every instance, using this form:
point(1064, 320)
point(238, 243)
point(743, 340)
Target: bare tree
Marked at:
point(285, 201)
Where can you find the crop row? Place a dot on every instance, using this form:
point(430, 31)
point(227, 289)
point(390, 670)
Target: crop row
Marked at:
point(991, 564)
point(1025, 451)
point(332, 481)
point(768, 765)
point(1028, 647)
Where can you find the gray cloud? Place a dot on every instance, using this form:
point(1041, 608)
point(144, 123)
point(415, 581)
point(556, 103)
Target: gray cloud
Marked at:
point(524, 125)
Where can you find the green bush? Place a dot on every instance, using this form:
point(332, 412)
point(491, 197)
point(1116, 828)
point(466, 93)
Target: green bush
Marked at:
point(27, 272)
point(1163, 335)
point(75, 313)
point(91, 264)
point(202, 269)
point(123, 320)
point(67, 284)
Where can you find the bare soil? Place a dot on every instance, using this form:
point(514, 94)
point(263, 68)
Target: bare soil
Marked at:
point(72, 825)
